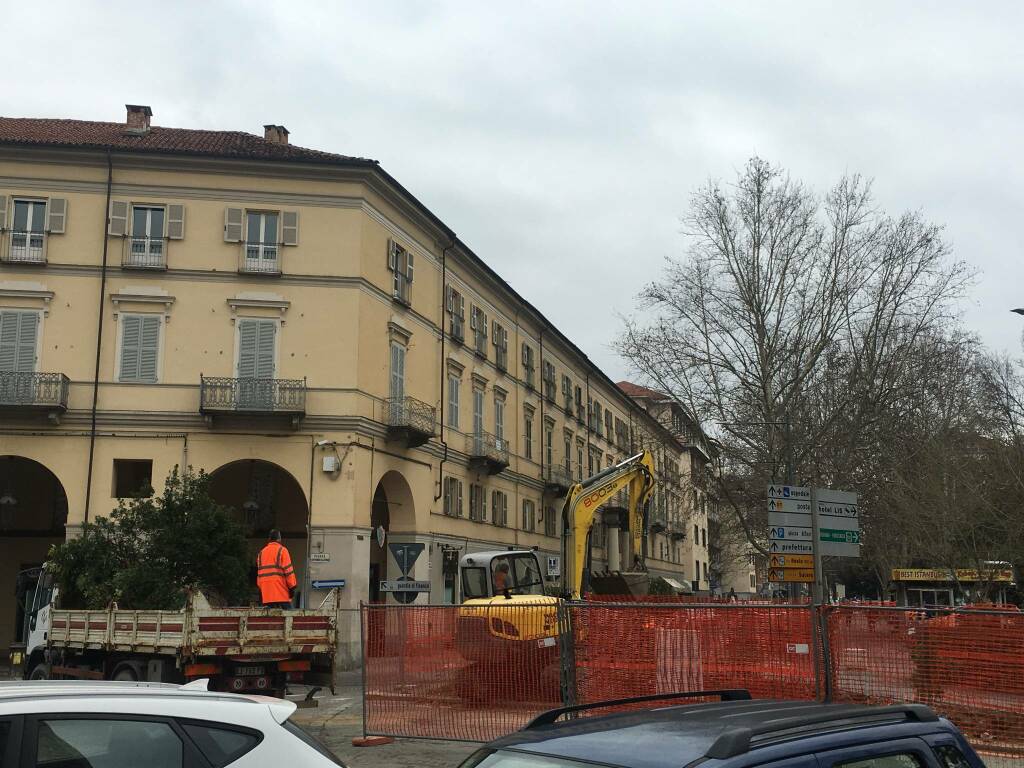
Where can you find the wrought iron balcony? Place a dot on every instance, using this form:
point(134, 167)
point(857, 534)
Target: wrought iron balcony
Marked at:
point(488, 451)
point(252, 397)
point(260, 259)
point(144, 253)
point(28, 393)
point(21, 247)
point(557, 480)
point(677, 533)
point(409, 420)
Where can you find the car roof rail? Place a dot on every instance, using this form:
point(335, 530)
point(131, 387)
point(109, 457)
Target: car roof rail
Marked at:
point(737, 741)
point(549, 717)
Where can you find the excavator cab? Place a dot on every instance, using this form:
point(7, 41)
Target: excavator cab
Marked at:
point(504, 574)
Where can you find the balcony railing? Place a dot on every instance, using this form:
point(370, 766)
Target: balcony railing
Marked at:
point(410, 420)
point(557, 479)
point(21, 391)
point(285, 397)
point(484, 448)
point(25, 248)
point(145, 253)
point(260, 259)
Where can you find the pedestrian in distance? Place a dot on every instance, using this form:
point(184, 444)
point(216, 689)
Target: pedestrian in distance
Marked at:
point(275, 575)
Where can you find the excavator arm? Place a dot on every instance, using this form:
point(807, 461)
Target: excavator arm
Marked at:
point(585, 498)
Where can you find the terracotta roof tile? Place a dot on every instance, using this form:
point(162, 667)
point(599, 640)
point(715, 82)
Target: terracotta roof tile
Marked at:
point(635, 390)
point(84, 134)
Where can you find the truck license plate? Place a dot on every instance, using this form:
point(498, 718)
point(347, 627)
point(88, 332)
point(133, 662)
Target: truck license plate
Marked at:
point(248, 671)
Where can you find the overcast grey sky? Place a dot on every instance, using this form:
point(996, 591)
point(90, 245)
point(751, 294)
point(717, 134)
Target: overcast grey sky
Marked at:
point(561, 140)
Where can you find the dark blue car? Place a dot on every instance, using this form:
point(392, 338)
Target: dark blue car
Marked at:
point(734, 732)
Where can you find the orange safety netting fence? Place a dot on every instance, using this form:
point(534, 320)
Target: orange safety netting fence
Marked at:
point(967, 664)
point(456, 672)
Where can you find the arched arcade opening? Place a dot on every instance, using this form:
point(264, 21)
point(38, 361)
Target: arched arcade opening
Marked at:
point(33, 515)
point(265, 496)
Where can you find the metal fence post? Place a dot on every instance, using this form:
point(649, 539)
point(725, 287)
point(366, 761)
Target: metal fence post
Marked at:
point(566, 654)
point(826, 657)
point(363, 617)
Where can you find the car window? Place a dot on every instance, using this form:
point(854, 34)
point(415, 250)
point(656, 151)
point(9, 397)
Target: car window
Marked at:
point(311, 741)
point(486, 758)
point(527, 575)
point(221, 746)
point(474, 583)
point(951, 757)
point(901, 760)
point(94, 743)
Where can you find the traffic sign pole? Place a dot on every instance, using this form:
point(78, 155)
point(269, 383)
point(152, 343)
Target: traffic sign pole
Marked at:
point(817, 592)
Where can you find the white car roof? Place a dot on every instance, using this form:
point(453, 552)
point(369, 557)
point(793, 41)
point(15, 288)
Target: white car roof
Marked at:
point(166, 699)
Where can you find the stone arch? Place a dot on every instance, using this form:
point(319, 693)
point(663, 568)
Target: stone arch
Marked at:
point(263, 496)
point(33, 516)
point(392, 510)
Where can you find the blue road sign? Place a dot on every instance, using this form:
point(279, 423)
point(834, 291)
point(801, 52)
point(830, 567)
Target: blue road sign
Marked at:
point(406, 555)
point(328, 583)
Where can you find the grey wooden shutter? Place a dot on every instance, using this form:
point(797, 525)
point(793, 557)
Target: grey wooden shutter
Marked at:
point(397, 371)
point(265, 349)
point(56, 215)
point(248, 331)
point(175, 222)
point(289, 228)
point(131, 342)
point(149, 347)
point(408, 265)
point(392, 255)
point(18, 332)
point(27, 330)
point(117, 223)
point(3, 212)
point(233, 225)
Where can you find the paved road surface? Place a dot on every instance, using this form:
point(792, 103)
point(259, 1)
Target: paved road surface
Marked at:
point(338, 719)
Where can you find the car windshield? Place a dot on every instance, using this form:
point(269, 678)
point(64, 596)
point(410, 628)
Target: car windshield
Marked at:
point(486, 758)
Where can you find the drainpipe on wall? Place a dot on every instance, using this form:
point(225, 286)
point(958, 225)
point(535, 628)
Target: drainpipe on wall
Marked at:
point(99, 344)
point(444, 371)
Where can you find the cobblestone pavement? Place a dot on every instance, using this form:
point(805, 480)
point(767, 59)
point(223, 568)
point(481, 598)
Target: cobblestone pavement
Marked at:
point(339, 718)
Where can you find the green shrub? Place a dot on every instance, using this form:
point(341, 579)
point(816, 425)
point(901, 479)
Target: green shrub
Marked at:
point(152, 550)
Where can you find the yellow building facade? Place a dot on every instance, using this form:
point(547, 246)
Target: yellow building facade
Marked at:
point(300, 327)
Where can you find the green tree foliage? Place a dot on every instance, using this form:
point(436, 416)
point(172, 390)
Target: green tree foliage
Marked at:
point(152, 550)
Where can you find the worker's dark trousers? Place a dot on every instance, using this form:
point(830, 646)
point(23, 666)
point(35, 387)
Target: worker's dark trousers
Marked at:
point(283, 606)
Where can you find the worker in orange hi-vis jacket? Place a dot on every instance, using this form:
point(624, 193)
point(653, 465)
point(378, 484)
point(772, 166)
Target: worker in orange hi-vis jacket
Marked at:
point(274, 573)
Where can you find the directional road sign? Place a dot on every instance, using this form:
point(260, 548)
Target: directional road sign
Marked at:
point(838, 523)
point(328, 583)
point(788, 520)
point(789, 492)
point(791, 561)
point(404, 585)
point(800, 534)
point(786, 547)
point(791, 574)
point(789, 505)
point(838, 535)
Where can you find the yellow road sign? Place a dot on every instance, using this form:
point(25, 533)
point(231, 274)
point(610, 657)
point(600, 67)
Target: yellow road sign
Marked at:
point(791, 561)
point(791, 574)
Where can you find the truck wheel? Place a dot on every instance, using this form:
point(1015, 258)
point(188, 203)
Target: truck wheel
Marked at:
point(40, 672)
point(125, 672)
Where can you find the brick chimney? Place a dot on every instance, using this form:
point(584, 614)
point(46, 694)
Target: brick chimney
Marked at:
point(276, 134)
point(138, 118)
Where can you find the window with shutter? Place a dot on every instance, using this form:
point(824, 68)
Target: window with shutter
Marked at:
point(256, 353)
point(56, 215)
point(3, 212)
point(233, 218)
point(499, 419)
point(117, 222)
point(28, 232)
point(18, 334)
point(290, 228)
point(454, 386)
point(261, 243)
point(400, 262)
point(397, 388)
point(140, 348)
point(176, 222)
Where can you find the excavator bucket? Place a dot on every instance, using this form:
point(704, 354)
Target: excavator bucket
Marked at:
point(632, 583)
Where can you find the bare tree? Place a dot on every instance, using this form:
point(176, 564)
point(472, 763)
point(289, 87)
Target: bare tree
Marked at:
point(792, 328)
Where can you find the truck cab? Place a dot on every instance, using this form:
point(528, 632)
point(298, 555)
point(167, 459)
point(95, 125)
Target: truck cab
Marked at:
point(35, 592)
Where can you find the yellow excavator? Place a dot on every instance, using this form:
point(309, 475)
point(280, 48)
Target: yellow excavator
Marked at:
point(506, 613)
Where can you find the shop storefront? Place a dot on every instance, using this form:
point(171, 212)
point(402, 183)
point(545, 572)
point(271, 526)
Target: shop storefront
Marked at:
point(943, 587)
